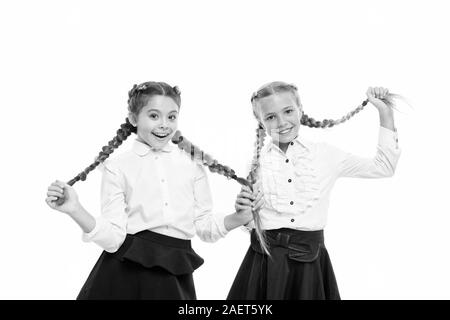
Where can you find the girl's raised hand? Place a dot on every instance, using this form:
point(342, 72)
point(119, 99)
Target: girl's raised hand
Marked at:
point(62, 197)
point(376, 95)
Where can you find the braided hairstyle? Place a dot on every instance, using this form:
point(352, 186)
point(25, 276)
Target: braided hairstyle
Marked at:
point(280, 87)
point(252, 178)
point(199, 156)
point(138, 97)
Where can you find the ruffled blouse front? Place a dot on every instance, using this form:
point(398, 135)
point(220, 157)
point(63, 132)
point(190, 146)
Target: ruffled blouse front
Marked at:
point(292, 186)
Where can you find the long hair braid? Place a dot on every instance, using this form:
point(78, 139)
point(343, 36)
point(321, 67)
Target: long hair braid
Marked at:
point(126, 129)
point(198, 155)
point(328, 123)
point(252, 178)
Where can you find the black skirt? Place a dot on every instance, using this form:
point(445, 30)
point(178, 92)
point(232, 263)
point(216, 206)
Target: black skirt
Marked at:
point(148, 265)
point(299, 268)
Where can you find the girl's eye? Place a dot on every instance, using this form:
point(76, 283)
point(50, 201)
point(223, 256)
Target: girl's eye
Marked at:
point(172, 117)
point(153, 116)
point(270, 118)
point(288, 111)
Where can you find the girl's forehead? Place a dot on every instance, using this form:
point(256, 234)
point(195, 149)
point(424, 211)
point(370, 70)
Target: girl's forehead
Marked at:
point(161, 103)
point(277, 102)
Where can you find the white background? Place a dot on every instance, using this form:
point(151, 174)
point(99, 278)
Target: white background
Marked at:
point(66, 68)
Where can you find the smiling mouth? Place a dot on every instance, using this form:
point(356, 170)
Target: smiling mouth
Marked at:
point(161, 135)
point(285, 131)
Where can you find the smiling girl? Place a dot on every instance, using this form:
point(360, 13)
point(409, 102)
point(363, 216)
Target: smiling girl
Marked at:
point(154, 199)
point(290, 260)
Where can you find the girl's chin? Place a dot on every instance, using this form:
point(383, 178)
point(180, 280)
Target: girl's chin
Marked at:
point(158, 144)
point(155, 143)
point(283, 140)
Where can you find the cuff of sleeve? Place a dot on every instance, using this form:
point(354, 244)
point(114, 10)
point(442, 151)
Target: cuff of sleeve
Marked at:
point(222, 230)
point(89, 236)
point(388, 138)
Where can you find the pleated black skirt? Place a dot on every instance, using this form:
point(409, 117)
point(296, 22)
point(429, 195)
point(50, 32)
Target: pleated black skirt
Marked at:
point(148, 265)
point(298, 268)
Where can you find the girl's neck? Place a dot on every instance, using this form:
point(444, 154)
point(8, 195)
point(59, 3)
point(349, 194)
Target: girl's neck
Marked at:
point(143, 141)
point(283, 146)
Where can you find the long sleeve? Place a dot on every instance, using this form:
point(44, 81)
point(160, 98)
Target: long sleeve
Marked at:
point(110, 228)
point(383, 164)
point(208, 227)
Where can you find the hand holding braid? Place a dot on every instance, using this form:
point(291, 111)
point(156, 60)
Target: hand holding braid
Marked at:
point(253, 178)
point(198, 155)
point(386, 99)
point(126, 129)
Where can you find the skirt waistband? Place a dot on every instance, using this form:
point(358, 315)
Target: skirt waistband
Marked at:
point(301, 246)
point(163, 239)
point(150, 249)
point(284, 237)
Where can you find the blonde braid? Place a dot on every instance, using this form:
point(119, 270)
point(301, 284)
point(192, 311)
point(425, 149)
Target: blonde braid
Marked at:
point(253, 177)
point(328, 123)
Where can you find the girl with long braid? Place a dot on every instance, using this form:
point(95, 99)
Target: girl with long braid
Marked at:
point(288, 260)
point(154, 199)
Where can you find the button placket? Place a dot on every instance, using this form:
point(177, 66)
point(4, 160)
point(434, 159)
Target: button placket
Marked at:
point(305, 182)
point(164, 188)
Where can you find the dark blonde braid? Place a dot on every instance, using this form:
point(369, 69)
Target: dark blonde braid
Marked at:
point(328, 123)
point(253, 177)
point(198, 155)
point(126, 129)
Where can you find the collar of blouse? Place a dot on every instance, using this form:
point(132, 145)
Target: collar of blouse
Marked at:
point(142, 149)
point(299, 142)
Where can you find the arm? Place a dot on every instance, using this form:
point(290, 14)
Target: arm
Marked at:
point(388, 152)
point(383, 164)
point(71, 205)
point(209, 227)
point(108, 230)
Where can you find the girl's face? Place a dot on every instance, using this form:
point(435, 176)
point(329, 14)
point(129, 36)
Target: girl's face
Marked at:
point(280, 115)
point(157, 121)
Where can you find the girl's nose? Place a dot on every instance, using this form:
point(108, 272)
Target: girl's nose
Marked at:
point(163, 123)
point(281, 122)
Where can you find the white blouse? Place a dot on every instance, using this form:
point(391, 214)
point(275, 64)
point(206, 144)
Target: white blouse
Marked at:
point(297, 184)
point(161, 191)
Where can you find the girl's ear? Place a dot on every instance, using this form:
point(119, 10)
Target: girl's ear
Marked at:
point(132, 118)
